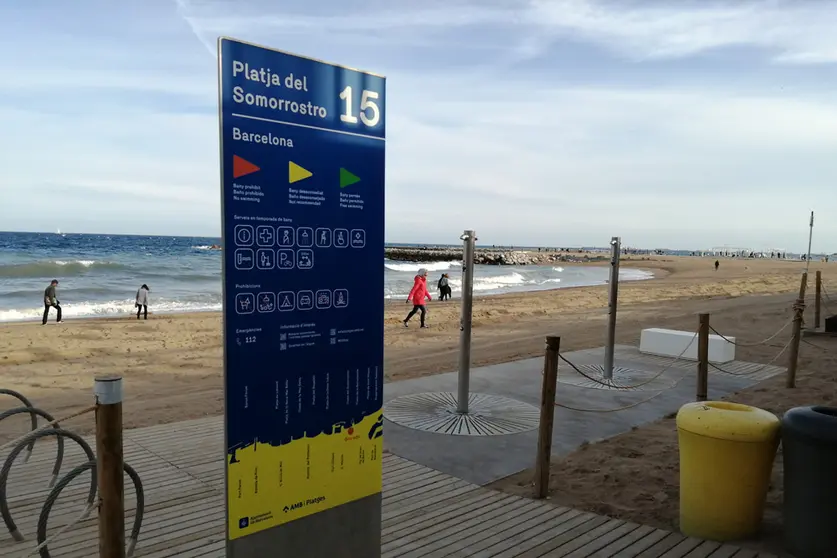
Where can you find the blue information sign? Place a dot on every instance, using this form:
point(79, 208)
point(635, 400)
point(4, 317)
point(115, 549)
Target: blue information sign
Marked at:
point(302, 166)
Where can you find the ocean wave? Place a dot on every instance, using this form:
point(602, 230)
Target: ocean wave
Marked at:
point(504, 283)
point(83, 263)
point(634, 274)
point(523, 281)
point(113, 308)
point(501, 282)
point(415, 266)
point(559, 269)
point(180, 278)
point(56, 268)
point(491, 283)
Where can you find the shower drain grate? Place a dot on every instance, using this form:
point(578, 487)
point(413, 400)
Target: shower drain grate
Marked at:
point(488, 415)
point(624, 379)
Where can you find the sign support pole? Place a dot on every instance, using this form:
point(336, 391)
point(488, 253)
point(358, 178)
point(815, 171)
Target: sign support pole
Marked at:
point(469, 239)
point(810, 238)
point(615, 250)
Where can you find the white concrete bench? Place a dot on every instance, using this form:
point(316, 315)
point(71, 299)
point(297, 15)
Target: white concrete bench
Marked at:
point(670, 343)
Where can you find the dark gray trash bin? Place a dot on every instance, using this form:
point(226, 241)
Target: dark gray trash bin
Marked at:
point(809, 448)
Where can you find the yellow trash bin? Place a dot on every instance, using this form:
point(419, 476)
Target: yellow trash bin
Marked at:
point(726, 456)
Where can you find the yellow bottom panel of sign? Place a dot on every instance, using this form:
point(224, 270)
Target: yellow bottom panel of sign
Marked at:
point(271, 485)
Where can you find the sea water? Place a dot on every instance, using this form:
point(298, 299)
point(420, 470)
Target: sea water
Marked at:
point(99, 274)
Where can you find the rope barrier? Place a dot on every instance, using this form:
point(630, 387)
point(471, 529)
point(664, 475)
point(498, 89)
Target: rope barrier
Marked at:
point(27, 441)
point(43, 520)
point(42, 547)
point(827, 297)
point(35, 412)
point(4, 473)
point(799, 306)
point(624, 408)
point(757, 370)
point(34, 419)
point(48, 425)
point(634, 386)
point(815, 345)
point(742, 344)
point(638, 403)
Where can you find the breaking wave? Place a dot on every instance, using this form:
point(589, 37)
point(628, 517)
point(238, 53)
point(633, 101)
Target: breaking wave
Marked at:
point(56, 268)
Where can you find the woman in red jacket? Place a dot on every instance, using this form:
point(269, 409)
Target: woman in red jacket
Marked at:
point(417, 296)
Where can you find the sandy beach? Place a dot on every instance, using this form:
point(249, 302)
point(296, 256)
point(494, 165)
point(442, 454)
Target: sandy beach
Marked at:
point(172, 363)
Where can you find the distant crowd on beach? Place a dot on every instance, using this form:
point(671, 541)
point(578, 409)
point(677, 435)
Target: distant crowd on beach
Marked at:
point(756, 255)
point(51, 302)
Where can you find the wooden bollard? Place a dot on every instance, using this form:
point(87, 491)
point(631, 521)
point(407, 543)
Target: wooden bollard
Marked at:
point(799, 309)
point(550, 381)
point(817, 299)
point(701, 393)
point(109, 467)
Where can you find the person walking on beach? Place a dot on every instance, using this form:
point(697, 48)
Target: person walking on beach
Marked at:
point(444, 287)
point(717, 263)
point(51, 301)
point(142, 301)
point(417, 295)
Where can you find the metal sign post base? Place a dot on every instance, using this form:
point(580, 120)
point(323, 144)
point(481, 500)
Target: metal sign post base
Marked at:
point(469, 238)
point(615, 251)
point(347, 531)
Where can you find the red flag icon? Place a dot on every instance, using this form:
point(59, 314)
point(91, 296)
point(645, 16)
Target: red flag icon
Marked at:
point(242, 167)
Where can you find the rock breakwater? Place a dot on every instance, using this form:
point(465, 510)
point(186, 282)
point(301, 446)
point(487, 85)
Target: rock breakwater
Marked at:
point(487, 256)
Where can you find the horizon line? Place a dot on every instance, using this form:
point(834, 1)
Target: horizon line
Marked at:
point(557, 248)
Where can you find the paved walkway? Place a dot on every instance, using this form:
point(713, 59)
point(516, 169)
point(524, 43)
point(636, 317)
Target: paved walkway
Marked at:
point(426, 513)
point(521, 380)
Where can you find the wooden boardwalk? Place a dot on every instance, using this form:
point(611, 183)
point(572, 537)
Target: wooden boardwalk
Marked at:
point(426, 514)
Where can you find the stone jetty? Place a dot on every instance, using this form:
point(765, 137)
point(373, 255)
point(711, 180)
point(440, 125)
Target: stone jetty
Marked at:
point(485, 256)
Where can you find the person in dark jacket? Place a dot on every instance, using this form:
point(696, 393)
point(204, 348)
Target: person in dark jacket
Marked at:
point(444, 287)
point(51, 301)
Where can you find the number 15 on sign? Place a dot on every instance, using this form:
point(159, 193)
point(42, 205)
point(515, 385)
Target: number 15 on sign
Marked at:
point(370, 114)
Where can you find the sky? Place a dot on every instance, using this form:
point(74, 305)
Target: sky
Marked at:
point(688, 124)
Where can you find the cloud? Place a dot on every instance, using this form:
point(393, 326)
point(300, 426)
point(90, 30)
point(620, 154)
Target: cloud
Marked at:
point(797, 32)
point(794, 32)
point(111, 117)
point(183, 8)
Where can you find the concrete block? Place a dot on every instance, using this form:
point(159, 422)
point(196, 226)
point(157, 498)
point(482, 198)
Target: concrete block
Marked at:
point(670, 343)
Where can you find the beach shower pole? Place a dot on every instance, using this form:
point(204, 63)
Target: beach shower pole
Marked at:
point(615, 251)
point(810, 237)
point(469, 238)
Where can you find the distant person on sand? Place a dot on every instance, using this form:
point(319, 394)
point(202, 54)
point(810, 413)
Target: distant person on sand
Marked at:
point(717, 263)
point(51, 301)
point(444, 287)
point(417, 295)
point(142, 301)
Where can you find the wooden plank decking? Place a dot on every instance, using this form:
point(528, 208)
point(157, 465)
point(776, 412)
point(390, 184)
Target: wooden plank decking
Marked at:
point(426, 514)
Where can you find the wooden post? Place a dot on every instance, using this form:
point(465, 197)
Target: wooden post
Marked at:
point(109, 467)
point(799, 309)
point(817, 299)
point(550, 381)
point(703, 359)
